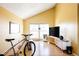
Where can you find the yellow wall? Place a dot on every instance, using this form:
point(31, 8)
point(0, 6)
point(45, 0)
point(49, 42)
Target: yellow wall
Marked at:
point(46, 17)
point(66, 18)
point(5, 17)
point(78, 27)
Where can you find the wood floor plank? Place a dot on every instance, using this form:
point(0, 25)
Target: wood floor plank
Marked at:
point(46, 49)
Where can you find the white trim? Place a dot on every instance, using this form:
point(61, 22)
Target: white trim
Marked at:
point(39, 1)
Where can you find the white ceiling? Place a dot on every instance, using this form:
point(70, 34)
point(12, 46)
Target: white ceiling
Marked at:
point(26, 10)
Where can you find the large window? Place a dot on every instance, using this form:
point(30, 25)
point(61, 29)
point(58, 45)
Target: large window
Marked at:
point(14, 28)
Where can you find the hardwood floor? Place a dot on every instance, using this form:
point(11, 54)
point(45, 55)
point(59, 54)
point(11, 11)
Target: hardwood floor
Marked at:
point(47, 49)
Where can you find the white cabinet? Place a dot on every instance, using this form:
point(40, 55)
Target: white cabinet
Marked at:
point(62, 44)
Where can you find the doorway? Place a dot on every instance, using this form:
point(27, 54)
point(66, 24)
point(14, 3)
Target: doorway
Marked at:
point(38, 31)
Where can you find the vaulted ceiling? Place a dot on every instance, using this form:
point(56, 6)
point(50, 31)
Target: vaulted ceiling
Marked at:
point(26, 10)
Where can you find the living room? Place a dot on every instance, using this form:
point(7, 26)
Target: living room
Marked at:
point(63, 15)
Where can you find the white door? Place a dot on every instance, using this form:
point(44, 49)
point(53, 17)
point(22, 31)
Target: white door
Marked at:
point(44, 30)
point(34, 31)
point(39, 30)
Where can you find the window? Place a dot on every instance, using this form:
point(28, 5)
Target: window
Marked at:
point(14, 28)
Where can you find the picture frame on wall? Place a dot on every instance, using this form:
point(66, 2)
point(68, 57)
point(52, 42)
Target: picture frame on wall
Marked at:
point(14, 28)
